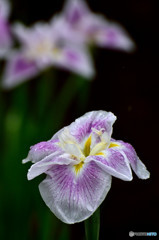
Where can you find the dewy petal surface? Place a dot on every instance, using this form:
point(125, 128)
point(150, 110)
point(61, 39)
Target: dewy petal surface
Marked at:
point(41, 150)
point(136, 164)
point(98, 120)
point(47, 163)
point(73, 198)
point(114, 163)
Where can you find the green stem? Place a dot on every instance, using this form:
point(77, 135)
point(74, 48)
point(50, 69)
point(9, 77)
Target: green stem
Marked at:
point(92, 226)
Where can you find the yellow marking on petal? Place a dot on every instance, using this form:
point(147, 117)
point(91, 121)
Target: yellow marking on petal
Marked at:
point(78, 167)
point(113, 144)
point(100, 153)
point(98, 148)
point(87, 146)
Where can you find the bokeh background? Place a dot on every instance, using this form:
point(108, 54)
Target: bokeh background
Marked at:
point(126, 84)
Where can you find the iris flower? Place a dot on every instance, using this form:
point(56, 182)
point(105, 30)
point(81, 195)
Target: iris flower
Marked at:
point(81, 25)
point(79, 162)
point(5, 36)
point(42, 47)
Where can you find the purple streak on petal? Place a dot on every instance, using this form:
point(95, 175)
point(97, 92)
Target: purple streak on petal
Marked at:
point(41, 150)
point(138, 167)
point(55, 158)
point(72, 56)
point(74, 198)
point(114, 36)
point(74, 11)
point(75, 16)
point(45, 146)
point(21, 65)
point(82, 127)
point(76, 59)
point(18, 69)
point(114, 163)
point(111, 36)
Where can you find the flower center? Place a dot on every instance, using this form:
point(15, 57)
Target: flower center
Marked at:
point(43, 48)
point(94, 145)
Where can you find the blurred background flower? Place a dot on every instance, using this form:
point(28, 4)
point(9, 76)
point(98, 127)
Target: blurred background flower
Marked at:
point(41, 48)
point(83, 26)
point(63, 42)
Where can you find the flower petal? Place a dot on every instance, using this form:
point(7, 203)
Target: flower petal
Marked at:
point(114, 36)
point(114, 163)
point(47, 163)
point(41, 150)
point(30, 36)
point(136, 164)
point(75, 59)
point(73, 198)
point(18, 70)
point(98, 120)
point(75, 10)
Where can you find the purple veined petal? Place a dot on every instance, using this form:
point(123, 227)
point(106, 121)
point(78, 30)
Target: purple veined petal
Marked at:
point(56, 158)
point(42, 150)
point(114, 162)
point(86, 124)
point(73, 198)
point(75, 10)
point(75, 59)
point(115, 37)
point(18, 69)
point(136, 164)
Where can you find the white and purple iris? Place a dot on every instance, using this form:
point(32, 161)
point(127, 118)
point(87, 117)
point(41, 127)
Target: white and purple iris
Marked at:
point(79, 161)
point(41, 47)
point(5, 35)
point(83, 26)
